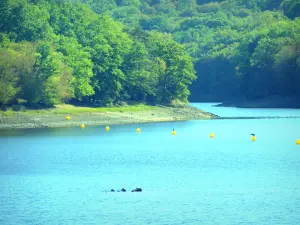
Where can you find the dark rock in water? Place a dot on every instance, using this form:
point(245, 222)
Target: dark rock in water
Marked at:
point(137, 190)
point(124, 190)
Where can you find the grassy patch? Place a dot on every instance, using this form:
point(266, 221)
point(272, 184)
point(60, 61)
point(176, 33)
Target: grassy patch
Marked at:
point(70, 109)
point(8, 113)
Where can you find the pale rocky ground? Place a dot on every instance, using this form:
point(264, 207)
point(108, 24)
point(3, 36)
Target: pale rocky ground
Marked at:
point(23, 120)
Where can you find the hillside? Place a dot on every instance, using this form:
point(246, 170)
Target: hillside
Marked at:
point(53, 52)
point(110, 52)
point(241, 49)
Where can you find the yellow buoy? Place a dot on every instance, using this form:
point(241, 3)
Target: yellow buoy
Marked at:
point(173, 132)
point(253, 138)
point(138, 130)
point(107, 128)
point(82, 126)
point(298, 142)
point(68, 117)
point(212, 135)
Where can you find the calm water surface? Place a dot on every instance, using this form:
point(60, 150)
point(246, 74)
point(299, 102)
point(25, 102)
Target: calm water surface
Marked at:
point(59, 176)
point(244, 112)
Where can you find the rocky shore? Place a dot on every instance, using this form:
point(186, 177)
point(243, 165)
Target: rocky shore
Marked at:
point(53, 119)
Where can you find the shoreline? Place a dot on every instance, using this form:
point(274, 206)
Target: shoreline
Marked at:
point(56, 119)
point(254, 117)
point(268, 103)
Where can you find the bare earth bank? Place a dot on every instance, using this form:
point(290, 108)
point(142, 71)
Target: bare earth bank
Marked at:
point(52, 119)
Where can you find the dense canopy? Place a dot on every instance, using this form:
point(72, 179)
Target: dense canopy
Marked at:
point(126, 51)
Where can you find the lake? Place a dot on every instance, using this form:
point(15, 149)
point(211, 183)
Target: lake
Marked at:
point(61, 176)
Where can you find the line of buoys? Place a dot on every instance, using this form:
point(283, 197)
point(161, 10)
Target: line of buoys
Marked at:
point(138, 130)
point(211, 135)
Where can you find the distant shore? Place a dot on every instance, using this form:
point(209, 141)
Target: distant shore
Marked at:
point(98, 116)
point(269, 102)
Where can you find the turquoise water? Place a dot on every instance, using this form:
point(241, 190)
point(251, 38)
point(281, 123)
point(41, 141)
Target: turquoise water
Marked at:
point(59, 176)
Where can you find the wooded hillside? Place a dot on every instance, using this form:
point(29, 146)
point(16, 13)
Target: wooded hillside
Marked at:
point(113, 51)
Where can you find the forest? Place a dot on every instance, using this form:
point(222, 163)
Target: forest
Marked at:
point(110, 52)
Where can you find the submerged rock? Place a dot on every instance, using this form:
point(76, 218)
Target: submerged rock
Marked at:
point(137, 190)
point(124, 190)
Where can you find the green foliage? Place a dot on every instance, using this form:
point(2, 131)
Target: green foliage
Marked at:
point(101, 6)
point(8, 75)
point(34, 73)
point(79, 60)
point(89, 57)
point(33, 24)
point(113, 51)
point(175, 68)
